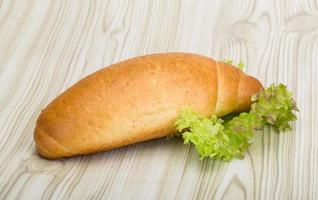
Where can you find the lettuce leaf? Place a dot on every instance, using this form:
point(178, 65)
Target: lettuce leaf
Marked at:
point(230, 138)
point(207, 135)
point(275, 106)
point(239, 65)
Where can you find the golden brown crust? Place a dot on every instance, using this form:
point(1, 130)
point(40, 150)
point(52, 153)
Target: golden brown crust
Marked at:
point(45, 144)
point(228, 83)
point(136, 100)
point(248, 86)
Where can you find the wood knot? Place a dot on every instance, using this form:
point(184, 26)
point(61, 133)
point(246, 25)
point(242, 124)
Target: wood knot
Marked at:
point(302, 22)
point(39, 165)
point(244, 30)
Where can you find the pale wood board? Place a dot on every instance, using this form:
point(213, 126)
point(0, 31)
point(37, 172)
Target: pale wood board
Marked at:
point(46, 46)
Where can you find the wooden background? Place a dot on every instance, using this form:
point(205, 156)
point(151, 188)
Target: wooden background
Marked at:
point(46, 46)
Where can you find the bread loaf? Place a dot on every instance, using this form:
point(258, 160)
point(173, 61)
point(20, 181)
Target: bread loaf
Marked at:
point(139, 99)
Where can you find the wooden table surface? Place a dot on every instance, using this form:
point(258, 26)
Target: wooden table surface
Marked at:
point(46, 46)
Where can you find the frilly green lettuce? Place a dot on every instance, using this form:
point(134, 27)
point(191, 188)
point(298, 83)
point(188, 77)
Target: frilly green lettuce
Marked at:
point(239, 65)
point(275, 106)
point(207, 134)
point(230, 138)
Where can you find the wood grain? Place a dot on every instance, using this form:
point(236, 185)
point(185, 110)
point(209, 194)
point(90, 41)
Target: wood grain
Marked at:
point(46, 46)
